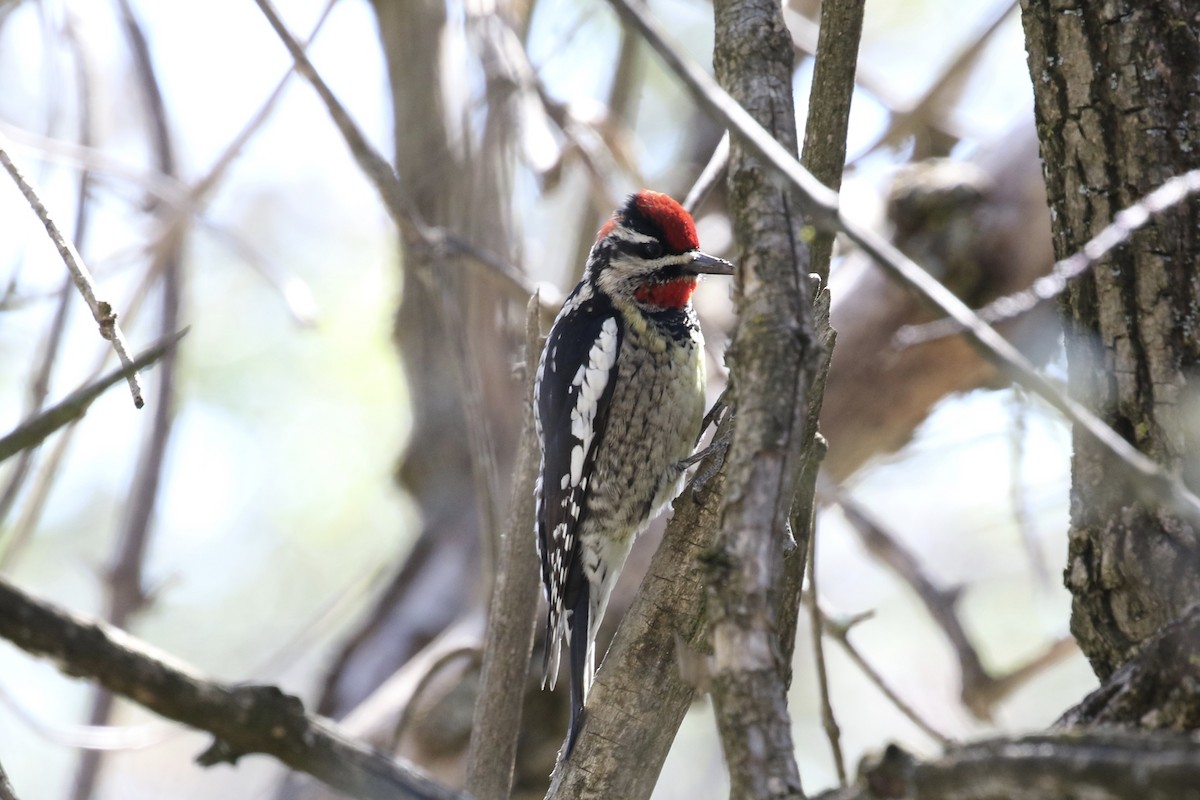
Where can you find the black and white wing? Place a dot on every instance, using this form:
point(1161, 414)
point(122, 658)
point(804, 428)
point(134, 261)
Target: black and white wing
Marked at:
point(574, 388)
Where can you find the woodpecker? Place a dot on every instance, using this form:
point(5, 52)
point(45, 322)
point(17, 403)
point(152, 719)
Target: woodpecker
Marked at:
point(619, 399)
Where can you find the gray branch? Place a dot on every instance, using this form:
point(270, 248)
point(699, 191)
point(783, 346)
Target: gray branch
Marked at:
point(511, 618)
point(1097, 765)
point(243, 719)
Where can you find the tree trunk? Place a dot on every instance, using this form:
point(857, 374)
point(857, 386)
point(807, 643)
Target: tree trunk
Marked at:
point(1118, 102)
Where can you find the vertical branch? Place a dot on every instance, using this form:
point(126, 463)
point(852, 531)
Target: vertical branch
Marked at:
point(126, 595)
point(511, 619)
point(754, 588)
point(773, 358)
point(824, 154)
point(824, 151)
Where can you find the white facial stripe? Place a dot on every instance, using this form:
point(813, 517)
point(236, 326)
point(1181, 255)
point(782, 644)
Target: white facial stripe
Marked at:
point(630, 235)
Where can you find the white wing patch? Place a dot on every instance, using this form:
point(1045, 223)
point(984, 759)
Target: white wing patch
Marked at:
point(591, 382)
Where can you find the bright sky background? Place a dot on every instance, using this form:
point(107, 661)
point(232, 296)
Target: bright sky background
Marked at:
point(279, 503)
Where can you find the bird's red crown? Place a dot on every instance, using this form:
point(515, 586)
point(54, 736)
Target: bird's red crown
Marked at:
point(660, 214)
point(679, 230)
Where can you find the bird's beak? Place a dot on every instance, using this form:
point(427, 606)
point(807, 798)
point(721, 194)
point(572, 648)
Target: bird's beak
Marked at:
point(704, 264)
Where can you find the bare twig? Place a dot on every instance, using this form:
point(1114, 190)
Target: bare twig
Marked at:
point(32, 432)
point(821, 204)
point(712, 173)
point(824, 152)
point(1126, 223)
point(383, 177)
point(39, 388)
point(816, 620)
point(35, 500)
point(509, 640)
point(243, 719)
point(980, 691)
point(840, 633)
point(102, 311)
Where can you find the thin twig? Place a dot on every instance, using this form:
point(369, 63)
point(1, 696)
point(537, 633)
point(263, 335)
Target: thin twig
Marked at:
point(126, 593)
point(38, 390)
point(821, 204)
point(840, 633)
point(816, 619)
point(1126, 223)
point(40, 385)
point(32, 432)
point(35, 500)
point(383, 177)
point(712, 173)
point(102, 312)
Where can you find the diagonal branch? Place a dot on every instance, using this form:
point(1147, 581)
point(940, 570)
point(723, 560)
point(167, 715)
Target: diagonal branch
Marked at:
point(1126, 223)
point(981, 691)
point(243, 719)
point(383, 177)
point(821, 204)
point(32, 432)
point(101, 310)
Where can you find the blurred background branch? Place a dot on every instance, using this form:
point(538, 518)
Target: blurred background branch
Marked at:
point(319, 506)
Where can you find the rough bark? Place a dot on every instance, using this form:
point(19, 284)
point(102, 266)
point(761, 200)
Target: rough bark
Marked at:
point(1118, 104)
point(1106, 765)
point(773, 359)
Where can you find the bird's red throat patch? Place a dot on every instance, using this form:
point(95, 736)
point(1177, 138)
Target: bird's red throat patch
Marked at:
point(670, 294)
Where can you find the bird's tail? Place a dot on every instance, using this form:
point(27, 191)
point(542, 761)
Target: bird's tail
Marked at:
point(581, 659)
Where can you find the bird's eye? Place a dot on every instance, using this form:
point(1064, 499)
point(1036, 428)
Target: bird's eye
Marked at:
point(651, 250)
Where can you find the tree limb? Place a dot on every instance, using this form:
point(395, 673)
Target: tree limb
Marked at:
point(511, 619)
point(243, 719)
point(1097, 765)
point(773, 359)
